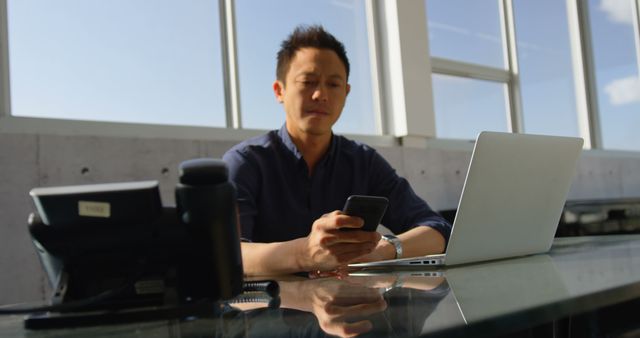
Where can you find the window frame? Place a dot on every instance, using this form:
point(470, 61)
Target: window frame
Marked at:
point(402, 88)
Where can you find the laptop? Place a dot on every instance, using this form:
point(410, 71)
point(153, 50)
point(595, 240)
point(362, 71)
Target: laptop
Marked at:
point(511, 200)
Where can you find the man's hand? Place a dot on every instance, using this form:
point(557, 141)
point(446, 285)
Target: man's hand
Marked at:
point(327, 247)
point(383, 251)
point(343, 308)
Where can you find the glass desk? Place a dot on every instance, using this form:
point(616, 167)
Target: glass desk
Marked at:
point(579, 276)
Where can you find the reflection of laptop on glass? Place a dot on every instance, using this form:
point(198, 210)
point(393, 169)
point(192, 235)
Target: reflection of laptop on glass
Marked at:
point(511, 201)
point(487, 291)
point(481, 293)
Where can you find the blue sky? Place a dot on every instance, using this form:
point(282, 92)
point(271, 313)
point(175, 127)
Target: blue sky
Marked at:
point(117, 60)
point(617, 72)
point(160, 62)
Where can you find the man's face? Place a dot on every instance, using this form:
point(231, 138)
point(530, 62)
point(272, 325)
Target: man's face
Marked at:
point(314, 91)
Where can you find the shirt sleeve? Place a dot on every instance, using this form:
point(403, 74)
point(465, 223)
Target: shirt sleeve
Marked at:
point(245, 178)
point(406, 210)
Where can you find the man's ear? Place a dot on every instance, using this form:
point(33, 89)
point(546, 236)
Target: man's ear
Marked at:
point(278, 90)
point(348, 88)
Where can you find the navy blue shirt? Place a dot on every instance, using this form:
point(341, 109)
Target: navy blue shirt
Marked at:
point(278, 200)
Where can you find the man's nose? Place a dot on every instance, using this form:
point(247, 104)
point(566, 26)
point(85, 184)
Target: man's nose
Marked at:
point(320, 93)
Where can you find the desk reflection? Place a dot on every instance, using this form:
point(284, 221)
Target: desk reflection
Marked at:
point(516, 293)
point(346, 306)
point(579, 278)
point(413, 303)
point(506, 287)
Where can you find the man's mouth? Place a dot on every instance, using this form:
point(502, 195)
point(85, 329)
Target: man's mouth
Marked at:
point(316, 112)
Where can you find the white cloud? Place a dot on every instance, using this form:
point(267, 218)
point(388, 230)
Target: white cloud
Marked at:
point(623, 91)
point(618, 10)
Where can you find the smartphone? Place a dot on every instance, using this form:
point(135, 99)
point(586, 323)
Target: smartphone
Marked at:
point(370, 208)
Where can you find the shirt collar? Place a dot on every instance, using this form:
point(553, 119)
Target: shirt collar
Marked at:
point(288, 143)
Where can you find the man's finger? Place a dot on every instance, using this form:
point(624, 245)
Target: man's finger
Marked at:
point(339, 237)
point(354, 236)
point(346, 221)
point(345, 253)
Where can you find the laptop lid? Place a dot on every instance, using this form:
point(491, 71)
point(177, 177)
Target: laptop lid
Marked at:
point(513, 196)
point(511, 201)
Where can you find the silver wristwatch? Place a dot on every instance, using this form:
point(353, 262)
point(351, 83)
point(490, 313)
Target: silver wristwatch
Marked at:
point(396, 243)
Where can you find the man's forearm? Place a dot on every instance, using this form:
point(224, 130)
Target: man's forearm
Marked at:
point(418, 241)
point(271, 258)
point(421, 241)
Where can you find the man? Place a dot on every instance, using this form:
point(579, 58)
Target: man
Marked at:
point(292, 182)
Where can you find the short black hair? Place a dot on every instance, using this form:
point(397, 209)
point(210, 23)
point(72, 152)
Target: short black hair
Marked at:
point(308, 36)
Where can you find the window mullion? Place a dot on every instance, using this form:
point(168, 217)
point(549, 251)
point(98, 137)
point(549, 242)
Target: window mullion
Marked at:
point(230, 64)
point(407, 87)
point(468, 70)
point(373, 34)
point(514, 97)
point(5, 97)
point(636, 30)
point(584, 73)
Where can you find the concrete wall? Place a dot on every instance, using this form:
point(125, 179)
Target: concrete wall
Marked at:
point(28, 161)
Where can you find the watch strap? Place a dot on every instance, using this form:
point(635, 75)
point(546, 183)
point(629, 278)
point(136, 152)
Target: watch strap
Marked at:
point(396, 243)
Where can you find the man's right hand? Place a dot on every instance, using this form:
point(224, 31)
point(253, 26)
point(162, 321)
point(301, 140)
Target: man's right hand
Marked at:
point(328, 248)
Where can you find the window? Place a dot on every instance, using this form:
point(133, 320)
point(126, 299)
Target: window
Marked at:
point(467, 31)
point(477, 74)
point(546, 75)
point(616, 67)
point(262, 25)
point(470, 83)
point(119, 60)
point(465, 107)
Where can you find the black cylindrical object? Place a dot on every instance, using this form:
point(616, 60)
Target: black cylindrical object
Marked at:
point(206, 205)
